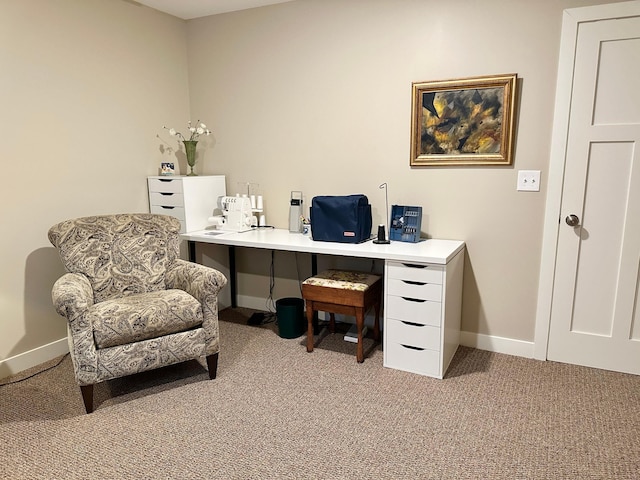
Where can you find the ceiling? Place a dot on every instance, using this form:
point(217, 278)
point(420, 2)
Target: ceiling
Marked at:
point(187, 9)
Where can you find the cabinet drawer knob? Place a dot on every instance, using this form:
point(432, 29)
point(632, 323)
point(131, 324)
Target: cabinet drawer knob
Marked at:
point(412, 324)
point(417, 300)
point(410, 347)
point(413, 282)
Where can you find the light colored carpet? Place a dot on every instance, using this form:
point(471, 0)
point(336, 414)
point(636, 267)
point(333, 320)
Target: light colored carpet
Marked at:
point(276, 411)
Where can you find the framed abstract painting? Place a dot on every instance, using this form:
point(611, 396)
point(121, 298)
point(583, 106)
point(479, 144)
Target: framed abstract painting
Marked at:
point(468, 121)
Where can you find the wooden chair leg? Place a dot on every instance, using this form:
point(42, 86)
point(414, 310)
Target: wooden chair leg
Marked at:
point(309, 326)
point(87, 397)
point(212, 364)
point(360, 326)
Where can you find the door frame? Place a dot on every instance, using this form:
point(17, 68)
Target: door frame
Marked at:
point(571, 20)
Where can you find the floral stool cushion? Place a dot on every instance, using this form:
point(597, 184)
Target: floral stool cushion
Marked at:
point(358, 281)
point(143, 316)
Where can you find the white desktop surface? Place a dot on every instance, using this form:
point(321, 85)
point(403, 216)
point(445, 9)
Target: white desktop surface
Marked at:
point(429, 251)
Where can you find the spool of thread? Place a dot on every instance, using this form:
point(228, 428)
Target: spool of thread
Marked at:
point(263, 221)
point(382, 236)
point(259, 202)
point(253, 201)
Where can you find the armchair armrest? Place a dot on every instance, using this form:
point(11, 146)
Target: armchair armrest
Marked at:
point(197, 280)
point(72, 295)
point(202, 283)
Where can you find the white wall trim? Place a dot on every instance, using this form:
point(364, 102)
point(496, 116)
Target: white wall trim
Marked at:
point(23, 361)
point(246, 301)
point(508, 346)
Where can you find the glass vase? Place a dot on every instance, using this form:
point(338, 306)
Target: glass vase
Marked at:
point(190, 150)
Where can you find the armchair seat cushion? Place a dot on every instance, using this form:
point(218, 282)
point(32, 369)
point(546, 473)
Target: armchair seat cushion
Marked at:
point(143, 316)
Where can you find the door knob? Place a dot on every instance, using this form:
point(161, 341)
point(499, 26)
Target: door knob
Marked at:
point(572, 220)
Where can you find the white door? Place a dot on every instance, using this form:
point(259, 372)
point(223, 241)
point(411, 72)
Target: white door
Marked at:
point(594, 315)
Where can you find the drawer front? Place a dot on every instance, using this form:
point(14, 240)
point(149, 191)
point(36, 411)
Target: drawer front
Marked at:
point(411, 334)
point(424, 362)
point(166, 199)
point(168, 185)
point(413, 289)
point(424, 312)
point(416, 273)
point(177, 212)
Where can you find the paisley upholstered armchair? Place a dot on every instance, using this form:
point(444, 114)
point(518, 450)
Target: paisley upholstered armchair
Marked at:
point(131, 304)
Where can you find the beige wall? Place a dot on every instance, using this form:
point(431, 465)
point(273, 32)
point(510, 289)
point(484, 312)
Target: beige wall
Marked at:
point(315, 96)
point(86, 86)
point(310, 95)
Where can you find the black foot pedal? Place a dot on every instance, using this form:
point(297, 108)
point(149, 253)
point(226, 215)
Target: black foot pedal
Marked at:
point(256, 319)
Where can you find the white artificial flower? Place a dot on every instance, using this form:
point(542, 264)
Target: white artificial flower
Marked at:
point(195, 132)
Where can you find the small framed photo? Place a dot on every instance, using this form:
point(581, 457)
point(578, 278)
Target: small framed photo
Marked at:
point(166, 168)
point(469, 121)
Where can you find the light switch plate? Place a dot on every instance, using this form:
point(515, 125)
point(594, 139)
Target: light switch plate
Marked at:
point(529, 180)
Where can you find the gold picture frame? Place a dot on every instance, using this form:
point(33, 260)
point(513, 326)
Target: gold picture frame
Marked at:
point(469, 121)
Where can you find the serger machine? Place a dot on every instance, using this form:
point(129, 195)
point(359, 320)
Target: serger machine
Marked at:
point(237, 215)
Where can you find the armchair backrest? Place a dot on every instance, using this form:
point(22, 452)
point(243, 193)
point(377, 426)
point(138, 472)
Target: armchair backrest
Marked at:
point(120, 254)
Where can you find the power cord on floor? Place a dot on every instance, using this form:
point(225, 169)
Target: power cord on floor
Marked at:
point(36, 373)
point(270, 303)
point(263, 318)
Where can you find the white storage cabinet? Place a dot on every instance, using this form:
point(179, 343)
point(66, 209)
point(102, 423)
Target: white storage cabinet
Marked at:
point(192, 200)
point(422, 315)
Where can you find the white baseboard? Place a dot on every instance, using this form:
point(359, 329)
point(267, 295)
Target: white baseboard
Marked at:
point(256, 303)
point(23, 361)
point(495, 344)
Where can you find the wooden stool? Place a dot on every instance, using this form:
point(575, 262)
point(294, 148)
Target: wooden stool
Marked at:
point(348, 293)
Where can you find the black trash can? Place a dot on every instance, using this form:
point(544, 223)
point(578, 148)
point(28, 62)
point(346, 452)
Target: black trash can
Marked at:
point(291, 320)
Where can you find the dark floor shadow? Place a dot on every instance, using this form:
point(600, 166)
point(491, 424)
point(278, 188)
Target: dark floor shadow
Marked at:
point(54, 394)
point(334, 342)
point(468, 360)
point(131, 387)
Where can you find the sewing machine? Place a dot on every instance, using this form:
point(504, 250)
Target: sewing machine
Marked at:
point(237, 215)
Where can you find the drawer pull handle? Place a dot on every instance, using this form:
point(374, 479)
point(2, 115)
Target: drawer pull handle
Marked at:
point(166, 179)
point(167, 208)
point(166, 194)
point(417, 300)
point(412, 348)
point(415, 265)
point(412, 282)
point(412, 324)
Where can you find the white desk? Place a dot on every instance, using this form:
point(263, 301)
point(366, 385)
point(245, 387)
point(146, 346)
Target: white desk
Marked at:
point(431, 251)
point(423, 289)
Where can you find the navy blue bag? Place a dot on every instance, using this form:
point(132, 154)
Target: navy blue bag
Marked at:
point(345, 219)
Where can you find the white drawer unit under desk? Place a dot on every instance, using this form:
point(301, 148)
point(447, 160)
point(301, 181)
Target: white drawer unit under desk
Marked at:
point(192, 200)
point(422, 315)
